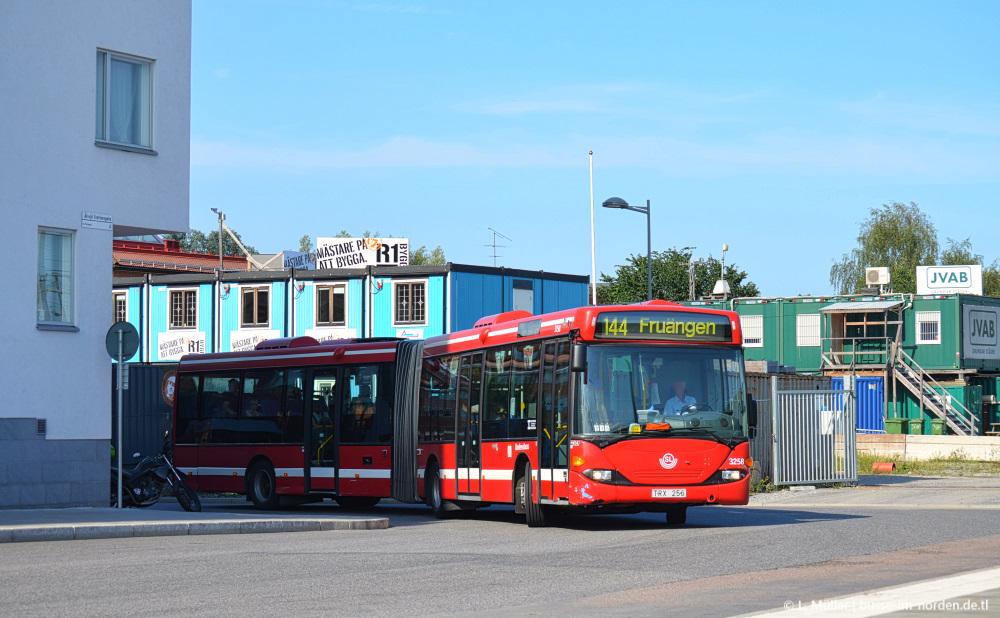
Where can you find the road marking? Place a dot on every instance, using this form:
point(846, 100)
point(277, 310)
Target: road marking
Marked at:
point(920, 596)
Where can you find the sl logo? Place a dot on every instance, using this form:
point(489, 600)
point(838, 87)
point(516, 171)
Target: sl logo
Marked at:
point(668, 461)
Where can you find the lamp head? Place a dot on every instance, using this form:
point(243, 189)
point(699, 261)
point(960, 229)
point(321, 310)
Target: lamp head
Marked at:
point(615, 202)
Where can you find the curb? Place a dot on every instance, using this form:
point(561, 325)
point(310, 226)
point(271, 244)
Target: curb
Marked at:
point(76, 532)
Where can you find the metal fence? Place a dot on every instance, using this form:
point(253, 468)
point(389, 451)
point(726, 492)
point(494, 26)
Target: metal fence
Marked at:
point(147, 413)
point(814, 436)
point(762, 440)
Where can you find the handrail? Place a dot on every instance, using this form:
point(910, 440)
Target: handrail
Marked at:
point(968, 419)
point(854, 353)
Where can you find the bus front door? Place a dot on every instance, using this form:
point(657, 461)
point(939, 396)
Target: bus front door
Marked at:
point(467, 419)
point(553, 437)
point(322, 443)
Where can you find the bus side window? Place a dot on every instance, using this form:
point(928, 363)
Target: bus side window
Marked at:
point(188, 424)
point(524, 390)
point(358, 404)
point(448, 399)
point(496, 416)
point(292, 415)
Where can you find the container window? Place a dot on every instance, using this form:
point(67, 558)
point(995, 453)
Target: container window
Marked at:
point(928, 327)
point(807, 330)
point(753, 330)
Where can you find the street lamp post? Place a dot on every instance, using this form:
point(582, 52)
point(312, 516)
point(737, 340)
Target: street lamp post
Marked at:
point(617, 202)
point(222, 217)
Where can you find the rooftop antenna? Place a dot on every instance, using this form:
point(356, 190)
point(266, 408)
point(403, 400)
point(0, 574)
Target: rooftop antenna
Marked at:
point(495, 245)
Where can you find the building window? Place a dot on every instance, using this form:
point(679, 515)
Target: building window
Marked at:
point(55, 277)
point(753, 330)
point(928, 327)
point(331, 305)
point(119, 301)
point(807, 330)
point(184, 309)
point(410, 302)
point(124, 100)
point(254, 307)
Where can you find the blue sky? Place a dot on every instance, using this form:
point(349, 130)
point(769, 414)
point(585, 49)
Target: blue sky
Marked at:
point(773, 127)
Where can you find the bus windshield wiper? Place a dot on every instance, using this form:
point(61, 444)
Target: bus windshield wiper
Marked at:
point(703, 430)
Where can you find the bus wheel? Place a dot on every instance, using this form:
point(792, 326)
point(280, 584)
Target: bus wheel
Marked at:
point(263, 489)
point(519, 490)
point(534, 514)
point(677, 515)
point(357, 503)
point(432, 493)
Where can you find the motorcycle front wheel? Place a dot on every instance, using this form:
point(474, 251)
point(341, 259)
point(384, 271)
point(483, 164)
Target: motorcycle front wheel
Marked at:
point(188, 499)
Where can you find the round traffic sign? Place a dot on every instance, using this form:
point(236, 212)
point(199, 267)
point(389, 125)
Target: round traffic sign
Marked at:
point(129, 338)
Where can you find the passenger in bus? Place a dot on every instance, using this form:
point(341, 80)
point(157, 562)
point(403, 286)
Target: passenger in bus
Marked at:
point(681, 402)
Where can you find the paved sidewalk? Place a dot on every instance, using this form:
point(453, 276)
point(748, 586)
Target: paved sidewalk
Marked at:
point(167, 520)
point(894, 491)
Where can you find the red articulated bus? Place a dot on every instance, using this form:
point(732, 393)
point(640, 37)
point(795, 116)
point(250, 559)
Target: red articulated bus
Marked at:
point(622, 408)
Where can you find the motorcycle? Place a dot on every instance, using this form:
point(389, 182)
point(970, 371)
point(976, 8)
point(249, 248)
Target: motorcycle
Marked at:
point(143, 484)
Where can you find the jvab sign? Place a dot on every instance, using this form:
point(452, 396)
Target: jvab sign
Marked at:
point(950, 279)
point(980, 327)
point(361, 252)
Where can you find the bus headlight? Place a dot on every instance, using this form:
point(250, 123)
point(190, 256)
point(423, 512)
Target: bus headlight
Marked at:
point(601, 476)
point(732, 475)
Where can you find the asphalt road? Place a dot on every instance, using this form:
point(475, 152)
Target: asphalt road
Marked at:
point(726, 561)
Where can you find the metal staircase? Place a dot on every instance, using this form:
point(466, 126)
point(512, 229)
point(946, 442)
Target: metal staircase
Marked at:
point(930, 393)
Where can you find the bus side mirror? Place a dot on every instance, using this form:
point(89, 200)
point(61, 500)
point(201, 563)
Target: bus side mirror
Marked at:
point(751, 413)
point(578, 357)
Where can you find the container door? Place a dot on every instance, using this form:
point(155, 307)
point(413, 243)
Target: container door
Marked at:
point(322, 444)
point(467, 419)
point(554, 435)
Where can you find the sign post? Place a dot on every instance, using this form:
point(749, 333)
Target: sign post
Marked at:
point(122, 341)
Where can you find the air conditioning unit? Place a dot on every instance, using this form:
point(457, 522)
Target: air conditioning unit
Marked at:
point(877, 276)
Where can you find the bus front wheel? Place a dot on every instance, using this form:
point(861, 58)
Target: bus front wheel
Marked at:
point(262, 485)
point(534, 514)
point(432, 493)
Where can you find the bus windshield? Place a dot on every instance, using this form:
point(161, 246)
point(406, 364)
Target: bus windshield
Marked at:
point(696, 391)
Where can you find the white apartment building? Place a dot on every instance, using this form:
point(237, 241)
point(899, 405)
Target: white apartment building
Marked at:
point(95, 99)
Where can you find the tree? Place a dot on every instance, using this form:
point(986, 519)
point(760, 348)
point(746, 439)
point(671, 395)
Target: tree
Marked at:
point(898, 236)
point(670, 279)
point(422, 257)
point(196, 241)
point(960, 253)
point(306, 244)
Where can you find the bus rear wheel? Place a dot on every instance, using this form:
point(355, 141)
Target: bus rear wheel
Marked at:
point(534, 514)
point(262, 486)
point(432, 493)
point(677, 516)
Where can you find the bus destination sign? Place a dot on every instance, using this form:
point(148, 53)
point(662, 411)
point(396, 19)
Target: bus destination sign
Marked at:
point(663, 326)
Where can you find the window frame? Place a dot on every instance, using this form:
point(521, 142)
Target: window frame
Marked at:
point(816, 337)
point(409, 283)
point(67, 324)
point(917, 321)
point(102, 136)
point(329, 287)
point(256, 323)
point(115, 295)
point(746, 327)
point(170, 307)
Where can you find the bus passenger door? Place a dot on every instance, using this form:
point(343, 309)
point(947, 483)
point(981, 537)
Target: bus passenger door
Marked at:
point(553, 436)
point(467, 438)
point(322, 444)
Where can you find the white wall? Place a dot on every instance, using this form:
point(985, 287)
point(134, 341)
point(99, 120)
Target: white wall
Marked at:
point(51, 171)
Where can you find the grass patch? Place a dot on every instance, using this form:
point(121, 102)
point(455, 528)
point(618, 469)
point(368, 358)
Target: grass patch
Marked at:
point(956, 463)
point(763, 486)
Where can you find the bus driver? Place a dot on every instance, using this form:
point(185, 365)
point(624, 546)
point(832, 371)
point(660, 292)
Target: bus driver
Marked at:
point(678, 404)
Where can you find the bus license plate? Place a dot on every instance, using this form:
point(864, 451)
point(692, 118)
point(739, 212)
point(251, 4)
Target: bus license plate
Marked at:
point(670, 493)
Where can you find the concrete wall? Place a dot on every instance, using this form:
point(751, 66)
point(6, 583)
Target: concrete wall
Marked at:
point(51, 171)
point(921, 448)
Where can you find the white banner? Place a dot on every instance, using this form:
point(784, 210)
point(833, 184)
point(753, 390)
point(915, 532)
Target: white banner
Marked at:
point(298, 260)
point(171, 345)
point(361, 252)
point(243, 340)
point(331, 333)
point(950, 279)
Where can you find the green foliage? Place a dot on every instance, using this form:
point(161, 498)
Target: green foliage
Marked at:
point(196, 241)
point(306, 244)
point(959, 253)
point(421, 256)
point(670, 279)
point(898, 236)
